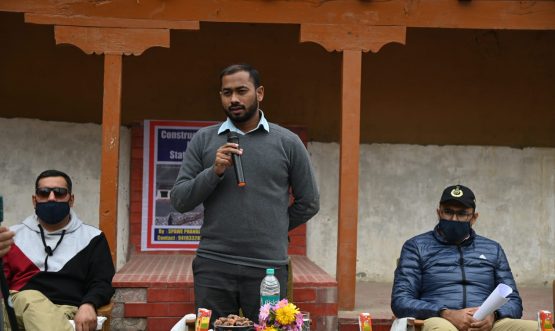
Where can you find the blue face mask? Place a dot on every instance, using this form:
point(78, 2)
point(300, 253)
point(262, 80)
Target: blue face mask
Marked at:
point(454, 232)
point(52, 212)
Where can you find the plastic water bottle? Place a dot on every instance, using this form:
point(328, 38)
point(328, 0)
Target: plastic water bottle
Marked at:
point(269, 289)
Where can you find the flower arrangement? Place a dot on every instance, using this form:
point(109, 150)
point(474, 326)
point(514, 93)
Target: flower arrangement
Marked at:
point(283, 315)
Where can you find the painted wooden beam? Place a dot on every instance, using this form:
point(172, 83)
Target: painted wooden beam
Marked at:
point(472, 14)
point(110, 22)
point(112, 40)
point(336, 37)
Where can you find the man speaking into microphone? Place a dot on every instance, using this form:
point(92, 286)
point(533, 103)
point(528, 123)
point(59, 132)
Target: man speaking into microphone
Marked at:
point(247, 214)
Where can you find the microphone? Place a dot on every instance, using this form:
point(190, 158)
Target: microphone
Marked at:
point(233, 137)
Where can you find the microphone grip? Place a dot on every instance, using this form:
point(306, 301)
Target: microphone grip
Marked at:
point(238, 166)
point(233, 137)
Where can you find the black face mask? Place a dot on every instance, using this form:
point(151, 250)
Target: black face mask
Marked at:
point(52, 212)
point(454, 232)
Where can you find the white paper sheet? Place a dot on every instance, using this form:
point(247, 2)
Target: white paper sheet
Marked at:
point(181, 325)
point(400, 324)
point(496, 299)
point(99, 321)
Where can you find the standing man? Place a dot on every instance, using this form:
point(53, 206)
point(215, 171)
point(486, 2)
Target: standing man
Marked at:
point(245, 228)
point(57, 267)
point(444, 275)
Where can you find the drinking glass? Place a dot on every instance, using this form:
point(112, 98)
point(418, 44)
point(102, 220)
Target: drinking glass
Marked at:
point(306, 321)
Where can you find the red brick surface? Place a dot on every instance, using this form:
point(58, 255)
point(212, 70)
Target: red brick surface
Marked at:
point(160, 294)
point(308, 274)
point(136, 185)
point(144, 270)
point(156, 271)
point(168, 281)
point(158, 309)
point(304, 294)
point(161, 324)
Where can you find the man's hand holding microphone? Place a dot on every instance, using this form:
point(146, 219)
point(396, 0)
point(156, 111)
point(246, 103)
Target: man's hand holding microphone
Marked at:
point(230, 155)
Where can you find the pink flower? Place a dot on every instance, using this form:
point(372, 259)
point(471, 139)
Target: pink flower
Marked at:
point(264, 312)
point(299, 321)
point(281, 304)
point(282, 316)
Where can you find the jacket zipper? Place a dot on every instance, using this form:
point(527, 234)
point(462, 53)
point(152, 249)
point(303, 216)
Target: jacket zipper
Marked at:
point(461, 261)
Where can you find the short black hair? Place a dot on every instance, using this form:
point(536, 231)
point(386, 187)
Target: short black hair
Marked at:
point(54, 173)
point(253, 73)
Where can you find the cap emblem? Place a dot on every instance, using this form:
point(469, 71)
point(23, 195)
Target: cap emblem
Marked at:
point(456, 192)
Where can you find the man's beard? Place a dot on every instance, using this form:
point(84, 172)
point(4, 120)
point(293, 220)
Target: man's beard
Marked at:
point(247, 115)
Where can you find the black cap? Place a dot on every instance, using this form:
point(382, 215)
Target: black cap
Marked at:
point(460, 194)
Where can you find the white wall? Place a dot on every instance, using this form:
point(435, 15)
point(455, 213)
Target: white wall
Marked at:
point(28, 146)
point(399, 193)
point(399, 190)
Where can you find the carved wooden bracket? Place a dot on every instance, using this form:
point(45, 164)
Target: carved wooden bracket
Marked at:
point(112, 40)
point(110, 35)
point(340, 37)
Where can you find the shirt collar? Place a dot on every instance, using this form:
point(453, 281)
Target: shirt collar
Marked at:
point(229, 126)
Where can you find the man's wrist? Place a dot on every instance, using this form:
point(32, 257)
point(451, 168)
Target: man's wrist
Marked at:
point(89, 304)
point(441, 312)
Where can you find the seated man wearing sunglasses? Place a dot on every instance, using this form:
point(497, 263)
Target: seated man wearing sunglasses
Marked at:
point(444, 275)
point(57, 268)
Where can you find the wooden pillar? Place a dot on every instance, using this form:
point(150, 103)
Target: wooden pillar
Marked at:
point(113, 43)
point(348, 177)
point(352, 40)
point(112, 37)
point(109, 172)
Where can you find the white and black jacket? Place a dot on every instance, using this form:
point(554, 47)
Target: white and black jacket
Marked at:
point(79, 269)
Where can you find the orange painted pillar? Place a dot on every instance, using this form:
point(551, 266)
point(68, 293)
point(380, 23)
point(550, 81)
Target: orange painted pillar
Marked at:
point(348, 178)
point(109, 173)
point(352, 40)
point(113, 42)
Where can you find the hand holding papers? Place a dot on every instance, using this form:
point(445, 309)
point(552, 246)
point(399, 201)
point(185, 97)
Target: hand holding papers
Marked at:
point(99, 322)
point(496, 299)
point(186, 323)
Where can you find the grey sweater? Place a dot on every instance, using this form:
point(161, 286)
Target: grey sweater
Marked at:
point(248, 225)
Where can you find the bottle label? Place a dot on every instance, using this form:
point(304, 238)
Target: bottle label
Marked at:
point(271, 299)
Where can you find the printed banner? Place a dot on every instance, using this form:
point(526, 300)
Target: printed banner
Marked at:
point(164, 228)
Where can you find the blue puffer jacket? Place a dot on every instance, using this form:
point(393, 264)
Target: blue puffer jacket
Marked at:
point(432, 275)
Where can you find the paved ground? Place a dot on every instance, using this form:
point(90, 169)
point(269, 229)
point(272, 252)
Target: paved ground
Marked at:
point(375, 298)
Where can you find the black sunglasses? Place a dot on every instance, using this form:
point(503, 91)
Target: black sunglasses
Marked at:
point(44, 192)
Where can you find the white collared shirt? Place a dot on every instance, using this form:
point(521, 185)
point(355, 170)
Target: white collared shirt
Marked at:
point(229, 126)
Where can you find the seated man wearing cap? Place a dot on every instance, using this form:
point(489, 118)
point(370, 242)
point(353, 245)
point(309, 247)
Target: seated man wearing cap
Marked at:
point(444, 275)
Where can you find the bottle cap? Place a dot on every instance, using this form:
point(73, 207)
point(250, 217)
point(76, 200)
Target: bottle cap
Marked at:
point(269, 271)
